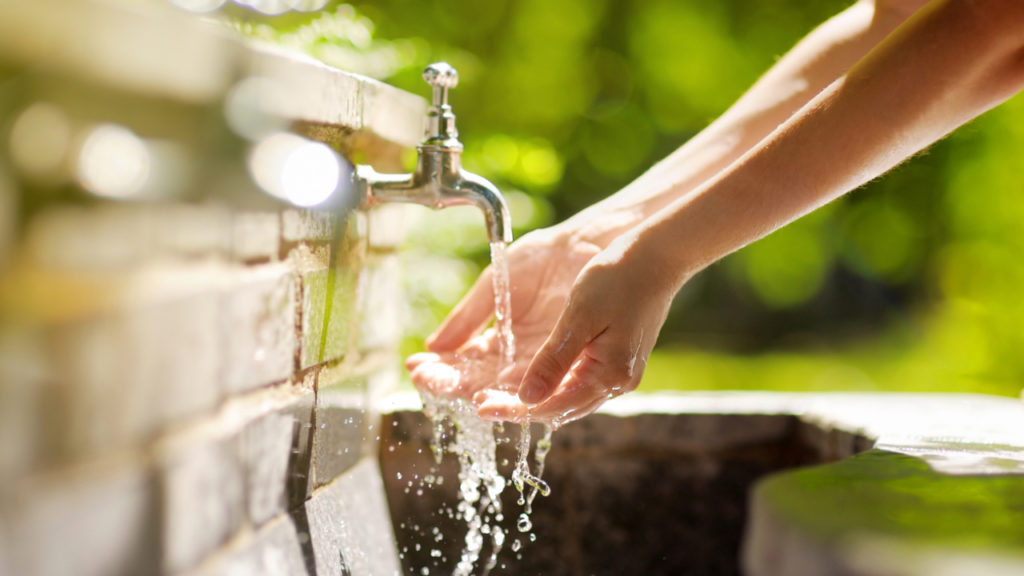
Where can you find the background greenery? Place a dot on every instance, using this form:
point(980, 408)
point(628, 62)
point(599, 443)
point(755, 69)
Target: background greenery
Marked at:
point(912, 283)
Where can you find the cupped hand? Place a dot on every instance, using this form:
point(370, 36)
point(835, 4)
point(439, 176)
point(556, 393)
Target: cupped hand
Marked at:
point(599, 346)
point(461, 361)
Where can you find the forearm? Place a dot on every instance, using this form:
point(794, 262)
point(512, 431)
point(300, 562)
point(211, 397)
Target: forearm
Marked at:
point(816, 61)
point(949, 63)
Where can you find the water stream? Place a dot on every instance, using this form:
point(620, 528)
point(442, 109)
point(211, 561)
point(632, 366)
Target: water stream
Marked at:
point(460, 431)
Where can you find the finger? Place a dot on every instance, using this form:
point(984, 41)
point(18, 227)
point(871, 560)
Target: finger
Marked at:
point(564, 406)
point(500, 406)
point(467, 318)
point(574, 399)
point(437, 378)
point(510, 376)
point(419, 358)
point(551, 363)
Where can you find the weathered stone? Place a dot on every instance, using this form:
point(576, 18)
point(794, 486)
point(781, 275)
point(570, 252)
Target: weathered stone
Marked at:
point(192, 230)
point(340, 427)
point(268, 446)
point(255, 236)
point(328, 310)
point(910, 517)
point(202, 495)
point(92, 404)
point(349, 525)
point(259, 326)
point(298, 225)
point(92, 238)
point(175, 351)
point(99, 521)
point(273, 551)
point(706, 433)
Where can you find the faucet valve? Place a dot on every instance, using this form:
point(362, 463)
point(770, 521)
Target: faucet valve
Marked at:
point(438, 180)
point(440, 126)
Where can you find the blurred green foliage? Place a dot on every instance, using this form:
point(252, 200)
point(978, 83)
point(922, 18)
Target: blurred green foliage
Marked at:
point(911, 283)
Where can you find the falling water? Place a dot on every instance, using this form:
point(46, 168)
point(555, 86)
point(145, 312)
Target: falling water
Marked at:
point(459, 430)
point(502, 305)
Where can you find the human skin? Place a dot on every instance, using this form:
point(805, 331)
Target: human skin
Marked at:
point(948, 63)
point(545, 264)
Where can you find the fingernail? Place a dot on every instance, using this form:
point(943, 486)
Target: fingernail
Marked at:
point(532, 391)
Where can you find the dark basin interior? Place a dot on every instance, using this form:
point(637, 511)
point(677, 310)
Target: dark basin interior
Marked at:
point(646, 494)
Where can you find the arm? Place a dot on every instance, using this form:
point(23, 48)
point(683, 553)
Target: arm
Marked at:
point(812, 64)
point(817, 60)
point(950, 62)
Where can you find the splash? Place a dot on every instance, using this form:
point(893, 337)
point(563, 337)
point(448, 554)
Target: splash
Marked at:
point(458, 430)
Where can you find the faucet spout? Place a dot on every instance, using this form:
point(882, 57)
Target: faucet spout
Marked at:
point(439, 180)
point(487, 197)
point(437, 189)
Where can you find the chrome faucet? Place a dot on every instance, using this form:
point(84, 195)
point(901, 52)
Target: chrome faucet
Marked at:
point(439, 180)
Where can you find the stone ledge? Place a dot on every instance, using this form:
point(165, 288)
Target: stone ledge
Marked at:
point(155, 50)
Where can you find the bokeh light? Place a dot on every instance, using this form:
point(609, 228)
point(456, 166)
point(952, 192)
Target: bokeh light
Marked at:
point(199, 6)
point(249, 105)
point(40, 140)
point(113, 162)
point(294, 169)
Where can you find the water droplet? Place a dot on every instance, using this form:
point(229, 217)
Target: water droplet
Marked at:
point(516, 545)
point(524, 524)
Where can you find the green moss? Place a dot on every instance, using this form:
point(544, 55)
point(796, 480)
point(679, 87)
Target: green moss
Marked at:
point(888, 494)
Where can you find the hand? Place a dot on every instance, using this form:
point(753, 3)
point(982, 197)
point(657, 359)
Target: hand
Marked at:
point(598, 349)
point(461, 362)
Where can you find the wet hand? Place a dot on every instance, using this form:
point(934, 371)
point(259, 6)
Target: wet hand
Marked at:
point(461, 361)
point(599, 346)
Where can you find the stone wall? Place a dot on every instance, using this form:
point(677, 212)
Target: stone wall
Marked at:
point(187, 373)
point(202, 407)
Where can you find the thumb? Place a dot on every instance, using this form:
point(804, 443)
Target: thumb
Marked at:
point(554, 359)
point(467, 318)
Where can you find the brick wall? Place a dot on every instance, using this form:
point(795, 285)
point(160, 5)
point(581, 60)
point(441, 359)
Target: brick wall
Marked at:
point(185, 389)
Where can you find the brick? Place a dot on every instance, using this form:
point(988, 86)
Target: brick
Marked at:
point(273, 551)
point(299, 225)
point(99, 521)
point(271, 451)
point(381, 304)
point(176, 352)
point(259, 326)
point(93, 405)
point(340, 426)
point(23, 375)
point(349, 525)
point(192, 230)
point(328, 311)
point(92, 238)
point(255, 236)
point(202, 495)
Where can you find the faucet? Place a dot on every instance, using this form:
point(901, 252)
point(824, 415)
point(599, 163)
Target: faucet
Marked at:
point(439, 180)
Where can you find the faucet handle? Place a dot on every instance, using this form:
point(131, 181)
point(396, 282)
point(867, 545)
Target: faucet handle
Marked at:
point(441, 76)
point(440, 125)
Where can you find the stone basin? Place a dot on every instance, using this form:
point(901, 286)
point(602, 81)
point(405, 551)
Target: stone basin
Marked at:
point(746, 483)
